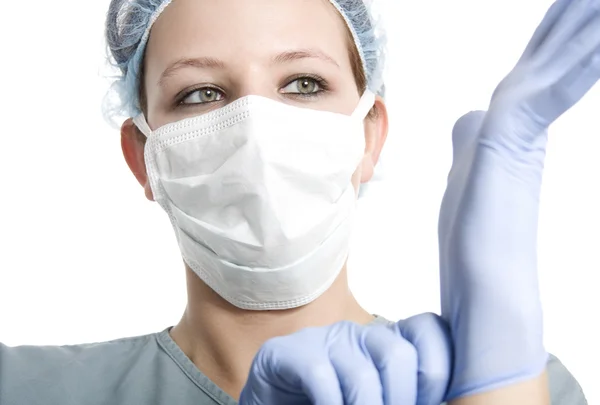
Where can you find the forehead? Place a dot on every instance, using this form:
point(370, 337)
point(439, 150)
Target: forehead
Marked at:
point(234, 29)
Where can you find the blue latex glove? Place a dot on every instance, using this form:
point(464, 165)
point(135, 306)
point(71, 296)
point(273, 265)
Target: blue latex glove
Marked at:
point(350, 364)
point(488, 219)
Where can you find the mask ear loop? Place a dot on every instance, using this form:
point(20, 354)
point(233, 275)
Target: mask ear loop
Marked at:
point(140, 122)
point(366, 102)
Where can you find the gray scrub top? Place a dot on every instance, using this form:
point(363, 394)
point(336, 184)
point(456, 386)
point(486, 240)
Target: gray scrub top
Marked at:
point(145, 370)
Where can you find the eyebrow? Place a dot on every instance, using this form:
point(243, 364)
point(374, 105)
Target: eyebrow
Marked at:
point(213, 63)
point(298, 54)
point(198, 63)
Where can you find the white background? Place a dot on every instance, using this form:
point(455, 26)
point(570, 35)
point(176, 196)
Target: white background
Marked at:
point(84, 257)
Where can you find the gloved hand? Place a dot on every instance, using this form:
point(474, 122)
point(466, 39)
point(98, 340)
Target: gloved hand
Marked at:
point(488, 218)
point(350, 364)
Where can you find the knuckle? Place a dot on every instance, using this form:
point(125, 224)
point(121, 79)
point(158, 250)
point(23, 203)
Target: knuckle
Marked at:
point(470, 122)
point(271, 345)
point(436, 373)
point(361, 377)
point(434, 324)
point(429, 319)
point(402, 350)
point(320, 369)
point(273, 348)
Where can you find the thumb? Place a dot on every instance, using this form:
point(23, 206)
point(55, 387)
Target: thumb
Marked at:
point(465, 131)
point(430, 335)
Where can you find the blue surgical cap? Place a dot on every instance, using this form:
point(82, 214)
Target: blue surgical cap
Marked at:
point(128, 27)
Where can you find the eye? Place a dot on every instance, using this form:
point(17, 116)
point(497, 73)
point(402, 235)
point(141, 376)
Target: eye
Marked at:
point(202, 96)
point(304, 86)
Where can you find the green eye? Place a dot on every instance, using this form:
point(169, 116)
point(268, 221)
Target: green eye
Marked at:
point(303, 85)
point(203, 96)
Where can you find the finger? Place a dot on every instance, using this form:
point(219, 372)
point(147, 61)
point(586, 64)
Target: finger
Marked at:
point(572, 87)
point(559, 84)
point(577, 15)
point(358, 377)
point(582, 48)
point(580, 81)
point(430, 335)
point(293, 372)
point(396, 361)
point(465, 131)
point(320, 383)
point(568, 76)
point(547, 24)
point(572, 44)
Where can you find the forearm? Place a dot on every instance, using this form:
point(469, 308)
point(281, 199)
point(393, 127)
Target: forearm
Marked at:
point(530, 392)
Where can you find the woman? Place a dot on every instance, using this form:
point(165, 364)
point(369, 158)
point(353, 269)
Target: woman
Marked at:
point(254, 127)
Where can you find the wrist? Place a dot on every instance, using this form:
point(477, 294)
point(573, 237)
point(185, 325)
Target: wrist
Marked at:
point(495, 351)
point(531, 391)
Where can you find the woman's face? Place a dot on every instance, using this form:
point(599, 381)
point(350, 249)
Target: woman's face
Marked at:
point(203, 54)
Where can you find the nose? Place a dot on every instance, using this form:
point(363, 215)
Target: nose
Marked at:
point(252, 77)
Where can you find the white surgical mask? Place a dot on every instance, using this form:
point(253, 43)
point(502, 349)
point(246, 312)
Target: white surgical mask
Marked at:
point(260, 196)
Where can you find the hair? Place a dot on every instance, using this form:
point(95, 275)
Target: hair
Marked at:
point(127, 29)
